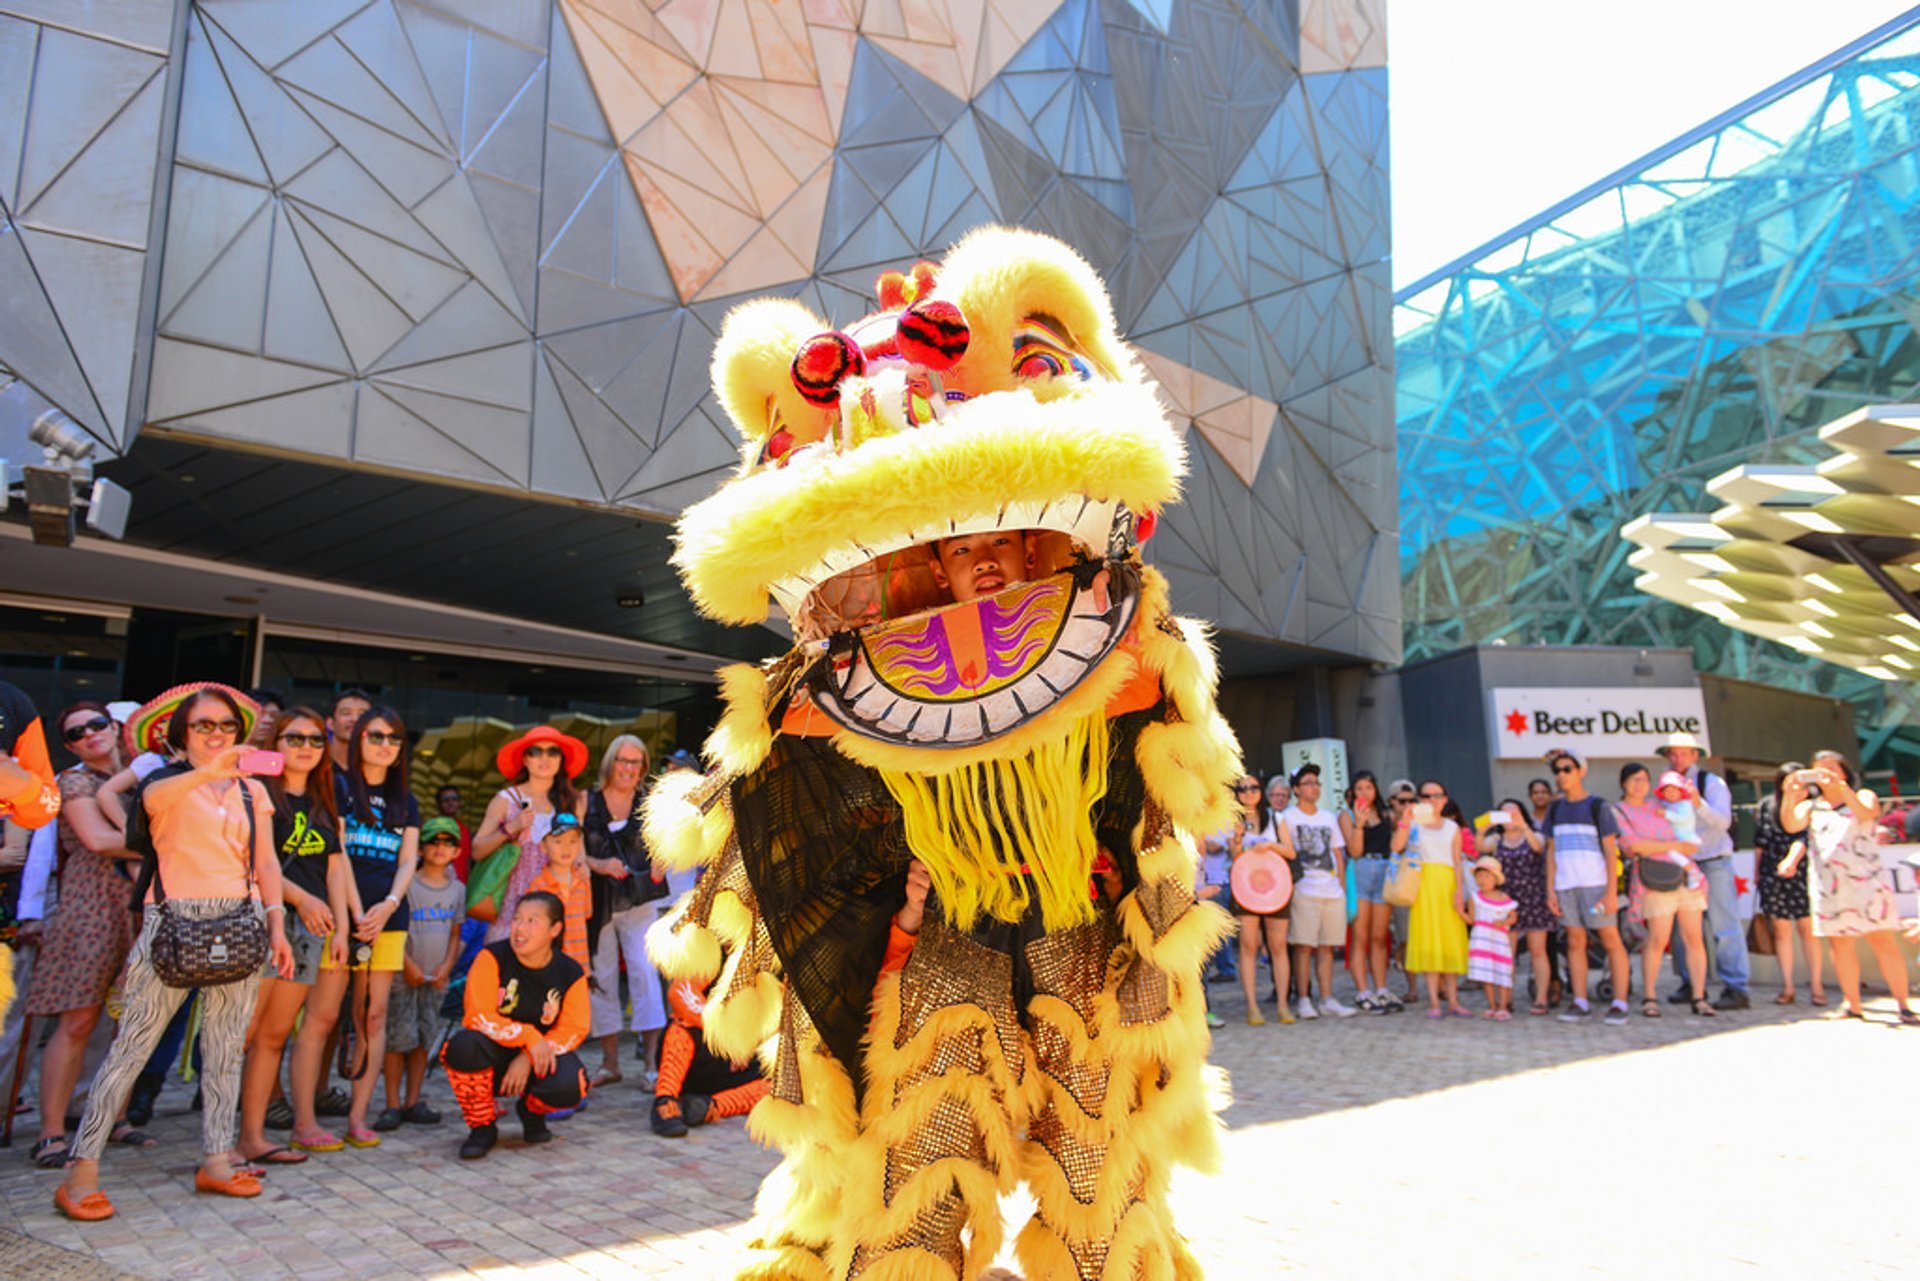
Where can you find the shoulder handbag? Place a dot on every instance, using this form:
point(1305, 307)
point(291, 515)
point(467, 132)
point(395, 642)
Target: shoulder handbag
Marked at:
point(193, 952)
point(487, 887)
point(1403, 878)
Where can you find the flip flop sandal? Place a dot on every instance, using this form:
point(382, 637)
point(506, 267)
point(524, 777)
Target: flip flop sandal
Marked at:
point(47, 1156)
point(321, 1142)
point(362, 1139)
point(90, 1208)
point(1538, 1008)
point(1785, 998)
point(278, 1156)
point(132, 1136)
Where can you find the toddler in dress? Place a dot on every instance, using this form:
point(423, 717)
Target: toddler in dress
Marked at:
point(1490, 947)
point(1676, 802)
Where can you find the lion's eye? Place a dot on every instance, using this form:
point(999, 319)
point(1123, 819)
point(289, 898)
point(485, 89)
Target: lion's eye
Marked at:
point(1039, 364)
point(778, 446)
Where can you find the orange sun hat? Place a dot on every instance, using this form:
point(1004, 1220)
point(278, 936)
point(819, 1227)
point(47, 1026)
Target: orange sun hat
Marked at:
point(513, 755)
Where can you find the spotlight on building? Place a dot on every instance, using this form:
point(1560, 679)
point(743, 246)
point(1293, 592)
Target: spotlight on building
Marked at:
point(58, 489)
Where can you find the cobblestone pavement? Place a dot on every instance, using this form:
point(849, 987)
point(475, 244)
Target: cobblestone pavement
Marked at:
point(1770, 1143)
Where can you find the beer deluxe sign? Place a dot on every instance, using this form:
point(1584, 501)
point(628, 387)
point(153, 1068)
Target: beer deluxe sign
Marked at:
point(1621, 723)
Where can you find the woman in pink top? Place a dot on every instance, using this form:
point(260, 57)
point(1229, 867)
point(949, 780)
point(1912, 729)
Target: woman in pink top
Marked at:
point(212, 834)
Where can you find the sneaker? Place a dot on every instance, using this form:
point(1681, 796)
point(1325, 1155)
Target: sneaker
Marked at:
point(479, 1142)
point(1576, 1013)
point(1214, 1020)
point(1391, 1004)
point(388, 1120)
point(667, 1121)
point(695, 1108)
point(420, 1114)
point(533, 1126)
point(334, 1102)
point(279, 1115)
point(1616, 1015)
point(1304, 1008)
point(1732, 1000)
point(1366, 1004)
point(1333, 1006)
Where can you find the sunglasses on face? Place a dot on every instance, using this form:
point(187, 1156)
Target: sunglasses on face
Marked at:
point(228, 728)
point(442, 840)
point(544, 751)
point(1566, 768)
point(1433, 796)
point(1403, 800)
point(384, 738)
point(75, 733)
point(304, 740)
point(1246, 787)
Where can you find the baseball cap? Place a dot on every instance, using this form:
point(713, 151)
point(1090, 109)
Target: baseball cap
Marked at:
point(564, 821)
point(440, 825)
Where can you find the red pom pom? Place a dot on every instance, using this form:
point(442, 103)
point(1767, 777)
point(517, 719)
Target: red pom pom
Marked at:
point(892, 288)
point(933, 335)
point(822, 361)
point(1144, 526)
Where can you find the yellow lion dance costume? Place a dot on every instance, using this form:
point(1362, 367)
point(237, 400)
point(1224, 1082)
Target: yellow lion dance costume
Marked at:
point(1046, 747)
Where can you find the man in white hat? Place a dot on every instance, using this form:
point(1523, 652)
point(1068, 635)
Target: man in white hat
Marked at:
point(1713, 811)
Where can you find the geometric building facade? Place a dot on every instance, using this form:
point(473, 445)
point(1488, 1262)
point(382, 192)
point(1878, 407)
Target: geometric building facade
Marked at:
point(484, 249)
point(1712, 305)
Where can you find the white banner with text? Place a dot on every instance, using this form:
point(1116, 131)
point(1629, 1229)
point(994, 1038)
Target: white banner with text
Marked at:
point(1624, 723)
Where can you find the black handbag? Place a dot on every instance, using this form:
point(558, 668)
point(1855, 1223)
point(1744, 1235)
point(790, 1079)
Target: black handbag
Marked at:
point(194, 952)
point(1659, 876)
point(638, 886)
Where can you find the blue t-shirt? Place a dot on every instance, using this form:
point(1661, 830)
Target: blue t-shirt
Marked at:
point(373, 849)
point(1576, 829)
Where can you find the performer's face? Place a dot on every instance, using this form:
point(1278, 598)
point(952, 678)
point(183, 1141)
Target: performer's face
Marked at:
point(974, 565)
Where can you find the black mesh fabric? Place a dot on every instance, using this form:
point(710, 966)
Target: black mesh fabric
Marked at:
point(827, 853)
point(825, 848)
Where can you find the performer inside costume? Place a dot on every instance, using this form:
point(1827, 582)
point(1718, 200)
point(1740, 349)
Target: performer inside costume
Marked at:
point(990, 727)
point(696, 1085)
point(527, 1013)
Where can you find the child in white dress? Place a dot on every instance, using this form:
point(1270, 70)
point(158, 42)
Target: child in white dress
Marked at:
point(1490, 948)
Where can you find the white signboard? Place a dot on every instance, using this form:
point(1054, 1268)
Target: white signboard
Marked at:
point(1330, 754)
point(1622, 723)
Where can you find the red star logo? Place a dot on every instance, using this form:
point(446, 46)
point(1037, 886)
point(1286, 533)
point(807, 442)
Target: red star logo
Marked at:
point(1516, 723)
point(1741, 885)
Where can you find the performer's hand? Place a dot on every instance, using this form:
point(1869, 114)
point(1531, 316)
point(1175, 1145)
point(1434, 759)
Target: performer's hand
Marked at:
point(513, 1081)
point(543, 1055)
point(919, 882)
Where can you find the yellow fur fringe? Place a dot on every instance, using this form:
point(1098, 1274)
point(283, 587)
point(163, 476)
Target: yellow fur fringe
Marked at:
point(970, 825)
point(742, 739)
point(679, 835)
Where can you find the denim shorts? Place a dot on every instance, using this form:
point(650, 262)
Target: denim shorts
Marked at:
point(1370, 878)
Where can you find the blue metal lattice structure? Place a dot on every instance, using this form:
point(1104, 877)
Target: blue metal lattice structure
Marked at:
point(1712, 304)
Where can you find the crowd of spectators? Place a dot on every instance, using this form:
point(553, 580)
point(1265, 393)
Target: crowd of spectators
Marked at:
point(1568, 880)
point(249, 889)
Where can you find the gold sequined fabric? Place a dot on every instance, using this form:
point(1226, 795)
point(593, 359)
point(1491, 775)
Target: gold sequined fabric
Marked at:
point(1082, 1163)
point(1072, 964)
point(945, 969)
point(936, 1230)
point(1144, 994)
point(1085, 1079)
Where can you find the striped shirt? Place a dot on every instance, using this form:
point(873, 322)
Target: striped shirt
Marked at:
point(578, 900)
point(1576, 829)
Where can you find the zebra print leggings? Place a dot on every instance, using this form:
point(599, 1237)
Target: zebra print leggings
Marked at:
point(150, 1005)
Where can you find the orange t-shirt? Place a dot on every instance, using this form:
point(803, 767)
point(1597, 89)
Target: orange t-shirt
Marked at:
point(201, 840)
point(578, 900)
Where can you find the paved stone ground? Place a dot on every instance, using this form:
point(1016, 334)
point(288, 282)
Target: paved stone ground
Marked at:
point(1368, 1147)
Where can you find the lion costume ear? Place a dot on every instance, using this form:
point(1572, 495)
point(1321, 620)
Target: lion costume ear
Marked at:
point(1001, 276)
point(753, 369)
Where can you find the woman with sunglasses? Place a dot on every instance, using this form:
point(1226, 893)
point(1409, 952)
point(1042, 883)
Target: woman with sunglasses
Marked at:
point(86, 939)
point(380, 831)
point(629, 895)
point(1257, 829)
point(1437, 933)
point(542, 764)
point(306, 833)
point(213, 852)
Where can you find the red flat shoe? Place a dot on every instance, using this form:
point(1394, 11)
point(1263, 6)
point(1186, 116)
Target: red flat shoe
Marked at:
point(240, 1184)
point(90, 1208)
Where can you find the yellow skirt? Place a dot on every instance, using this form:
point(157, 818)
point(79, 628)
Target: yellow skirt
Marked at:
point(1437, 937)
